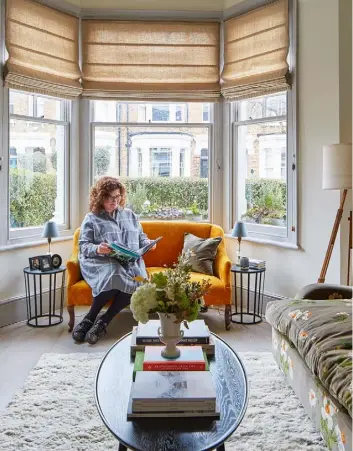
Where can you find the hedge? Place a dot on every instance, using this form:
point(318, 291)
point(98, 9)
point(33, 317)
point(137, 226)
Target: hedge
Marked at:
point(182, 192)
point(266, 192)
point(32, 197)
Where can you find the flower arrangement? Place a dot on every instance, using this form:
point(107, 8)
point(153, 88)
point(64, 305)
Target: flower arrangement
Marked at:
point(170, 292)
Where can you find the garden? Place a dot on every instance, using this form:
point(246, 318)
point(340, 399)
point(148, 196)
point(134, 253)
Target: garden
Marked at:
point(33, 194)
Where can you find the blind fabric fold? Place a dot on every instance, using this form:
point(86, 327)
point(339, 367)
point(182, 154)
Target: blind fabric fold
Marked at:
point(255, 52)
point(150, 60)
point(43, 50)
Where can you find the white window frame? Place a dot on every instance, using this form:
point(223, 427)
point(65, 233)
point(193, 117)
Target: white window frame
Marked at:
point(260, 232)
point(17, 237)
point(214, 149)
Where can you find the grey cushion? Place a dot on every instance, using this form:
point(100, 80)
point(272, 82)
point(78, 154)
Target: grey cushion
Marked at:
point(204, 252)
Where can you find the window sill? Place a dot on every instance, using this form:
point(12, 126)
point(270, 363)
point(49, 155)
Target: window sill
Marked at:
point(42, 242)
point(266, 242)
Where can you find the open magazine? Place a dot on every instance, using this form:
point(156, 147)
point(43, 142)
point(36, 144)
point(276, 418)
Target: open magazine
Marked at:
point(125, 255)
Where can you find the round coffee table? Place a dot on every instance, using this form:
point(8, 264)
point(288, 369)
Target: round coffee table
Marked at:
point(112, 390)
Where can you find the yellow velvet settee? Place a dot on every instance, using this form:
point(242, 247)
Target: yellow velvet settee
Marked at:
point(166, 253)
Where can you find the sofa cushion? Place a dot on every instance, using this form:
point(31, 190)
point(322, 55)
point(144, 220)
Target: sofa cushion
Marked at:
point(204, 252)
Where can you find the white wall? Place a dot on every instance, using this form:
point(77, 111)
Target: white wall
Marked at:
point(318, 121)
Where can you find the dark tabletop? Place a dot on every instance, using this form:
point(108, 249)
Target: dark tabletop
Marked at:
point(113, 383)
point(236, 268)
point(28, 270)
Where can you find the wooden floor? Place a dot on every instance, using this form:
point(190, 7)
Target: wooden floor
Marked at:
point(21, 346)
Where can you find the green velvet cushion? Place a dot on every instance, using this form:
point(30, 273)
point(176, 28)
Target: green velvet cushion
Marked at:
point(204, 252)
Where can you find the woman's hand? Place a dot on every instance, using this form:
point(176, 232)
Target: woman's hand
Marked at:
point(154, 247)
point(103, 249)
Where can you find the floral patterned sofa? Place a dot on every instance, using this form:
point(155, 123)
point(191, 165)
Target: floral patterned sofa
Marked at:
point(312, 344)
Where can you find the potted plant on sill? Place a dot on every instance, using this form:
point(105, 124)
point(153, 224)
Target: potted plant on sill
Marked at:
point(174, 297)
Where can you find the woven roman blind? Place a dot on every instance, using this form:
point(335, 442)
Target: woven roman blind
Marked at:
point(43, 50)
point(255, 52)
point(150, 60)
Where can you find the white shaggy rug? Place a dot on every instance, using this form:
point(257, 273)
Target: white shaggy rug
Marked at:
point(55, 410)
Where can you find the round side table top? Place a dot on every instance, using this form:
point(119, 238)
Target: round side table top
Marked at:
point(28, 270)
point(112, 390)
point(237, 268)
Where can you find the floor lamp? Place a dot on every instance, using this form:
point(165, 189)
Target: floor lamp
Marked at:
point(337, 175)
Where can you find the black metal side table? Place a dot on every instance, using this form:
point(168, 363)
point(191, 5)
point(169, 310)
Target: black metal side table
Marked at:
point(36, 306)
point(248, 314)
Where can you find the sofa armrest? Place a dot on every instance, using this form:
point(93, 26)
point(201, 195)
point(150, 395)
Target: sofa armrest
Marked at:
point(322, 291)
point(222, 267)
point(73, 271)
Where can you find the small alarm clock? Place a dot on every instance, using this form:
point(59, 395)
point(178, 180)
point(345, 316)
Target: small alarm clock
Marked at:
point(56, 261)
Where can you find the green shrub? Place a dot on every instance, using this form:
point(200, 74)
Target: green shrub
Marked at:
point(32, 197)
point(182, 192)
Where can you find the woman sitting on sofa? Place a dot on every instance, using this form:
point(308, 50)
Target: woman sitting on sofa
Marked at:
point(108, 221)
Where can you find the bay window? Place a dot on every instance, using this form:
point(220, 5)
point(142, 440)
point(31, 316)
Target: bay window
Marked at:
point(38, 163)
point(158, 150)
point(264, 166)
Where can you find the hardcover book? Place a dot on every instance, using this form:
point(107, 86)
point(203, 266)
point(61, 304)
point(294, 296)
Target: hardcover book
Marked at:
point(191, 359)
point(198, 333)
point(173, 391)
point(134, 347)
point(125, 255)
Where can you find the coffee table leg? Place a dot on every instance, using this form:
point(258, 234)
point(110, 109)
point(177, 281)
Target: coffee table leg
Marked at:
point(221, 448)
point(123, 447)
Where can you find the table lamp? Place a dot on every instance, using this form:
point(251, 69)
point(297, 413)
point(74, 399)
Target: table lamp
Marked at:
point(239, 231)
point(337, 175)
point(50, 231)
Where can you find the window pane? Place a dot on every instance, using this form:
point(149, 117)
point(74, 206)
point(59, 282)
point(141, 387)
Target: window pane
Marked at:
point(49, 108)
point(20, 103)
point(37, 173)
point(112, 111)
point(160, 113)
point(262, 107)
point(262, 179)
point(165, 168)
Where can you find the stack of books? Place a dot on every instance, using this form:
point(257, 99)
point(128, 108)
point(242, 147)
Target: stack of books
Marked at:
point(172, 394)
point(198, 334)
point(257, 264)
point(180, 387)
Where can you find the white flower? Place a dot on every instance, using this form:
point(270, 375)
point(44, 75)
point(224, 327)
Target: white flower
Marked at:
point(312, 398)
point(274, 343)
point(295, 314)
point(306, 315)
point(290, 367)
point(341, 438)
point(327, 411)
point(342, 314)
point(143, 301)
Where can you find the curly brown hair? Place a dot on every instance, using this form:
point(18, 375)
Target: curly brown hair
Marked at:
point(102, 189)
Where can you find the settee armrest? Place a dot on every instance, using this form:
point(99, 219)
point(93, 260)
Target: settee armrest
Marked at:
point(222, 267)
point(322, 291)
point(73, 271)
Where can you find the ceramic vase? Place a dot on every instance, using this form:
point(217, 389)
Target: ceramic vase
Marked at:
point(170, 334)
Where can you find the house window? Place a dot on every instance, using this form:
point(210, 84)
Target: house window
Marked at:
point(206, 112)
point(182, 163)
point(204, 163)
point(159, 161)
point(160, 113)
point(264, 191)
point(38, 163)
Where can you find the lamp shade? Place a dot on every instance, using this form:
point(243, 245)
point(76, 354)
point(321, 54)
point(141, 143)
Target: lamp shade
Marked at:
point(239, 230)
point(337, 166)
point(50, 230)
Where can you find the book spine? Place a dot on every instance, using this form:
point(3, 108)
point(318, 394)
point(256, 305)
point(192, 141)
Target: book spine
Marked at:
point(161, 366)
point(184, 341)
point(175, 406)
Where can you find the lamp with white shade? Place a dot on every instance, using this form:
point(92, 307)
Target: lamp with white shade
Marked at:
point(337, 175)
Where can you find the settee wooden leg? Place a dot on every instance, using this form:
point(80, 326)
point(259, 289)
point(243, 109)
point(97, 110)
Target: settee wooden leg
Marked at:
point(227, 313)
point(71, 311)
point(204, 309)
